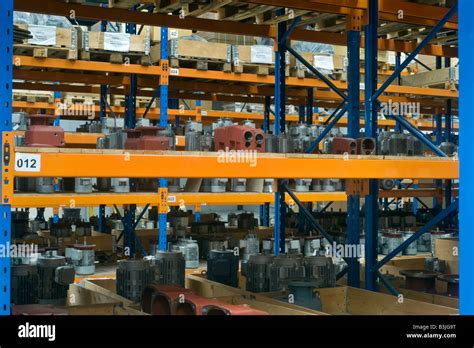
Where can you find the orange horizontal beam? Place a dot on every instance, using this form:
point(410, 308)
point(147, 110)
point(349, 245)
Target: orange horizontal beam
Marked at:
point(168, 164)
point(26, 200)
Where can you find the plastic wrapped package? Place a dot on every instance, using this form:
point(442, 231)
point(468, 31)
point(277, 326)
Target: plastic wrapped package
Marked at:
point(41, 19)
point(193, 37)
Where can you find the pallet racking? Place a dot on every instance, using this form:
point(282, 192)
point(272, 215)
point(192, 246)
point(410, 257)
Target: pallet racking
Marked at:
point(166, 84)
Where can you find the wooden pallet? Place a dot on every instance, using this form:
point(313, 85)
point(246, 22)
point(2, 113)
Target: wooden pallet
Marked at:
point(258, 69)
point(115, 57)
point(45, 51)
point(30, 97)
point(301, 72)
point(200, 64)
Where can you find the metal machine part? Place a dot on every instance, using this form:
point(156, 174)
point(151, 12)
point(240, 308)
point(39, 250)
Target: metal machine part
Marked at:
point(340, 146)
point(301, 293)
point(229, 309)
point(285, 269)
point(420, 280)
point(232, 220)
point(132, 277)
point(396, 144)
point(267, 246)
point(387, 184)
point(452, 281)
point(120, 185)
point(54, 279)
point(258, 273)
point(82, 257)
point(223, 266)
point(390, 241)
point(366, 146)
point(168, 267)
point(190, 250)
point(321, 271)
point(412, 249)
point(294, 247)
point(268, 185)
point(216, 185)
point(209, 243)
point(42, 133)
point(19, 223)
point(45, 185)
point(246, 221)
point(312, 245)
point(303, 185)
point(239, 138)
point(238, 185)
point(251, 245)
point(448, 148)
point(19, 121)
point(161, 299)
point(179, 223)
point(24, 286)
point(434, 264)
point(424, 243)
point(83, 185)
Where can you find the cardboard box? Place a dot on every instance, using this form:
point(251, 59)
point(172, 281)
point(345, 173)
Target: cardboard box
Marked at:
point(447, 249)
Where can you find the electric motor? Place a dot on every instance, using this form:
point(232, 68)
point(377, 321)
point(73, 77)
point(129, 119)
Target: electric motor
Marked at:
point(132, 277)
point(285, 268)
point(24, 287)
point(54, 279)
point(223, 266)
point(167, 267)
point(190, 250)
point(258, 273)
point(321, 271)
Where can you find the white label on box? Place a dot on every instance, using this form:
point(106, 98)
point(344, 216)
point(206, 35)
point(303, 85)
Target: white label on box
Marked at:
point(174, 72)
point(171, 199)
point(362, 86)
point(174, 34)
point(27, 162)
point(323, 62)
point(43, 35)
point(320, 119)
point(204, 113)
point(116, 42)
point(261, 54)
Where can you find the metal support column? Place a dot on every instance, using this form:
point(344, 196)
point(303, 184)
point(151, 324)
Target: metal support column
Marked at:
point(163, 183)
point(309, 106)
point(6, 78)
point(448, 138)
point(438, 205)
point(466, 191)
point(371, 200)
point(279, 127)
point(353, 201)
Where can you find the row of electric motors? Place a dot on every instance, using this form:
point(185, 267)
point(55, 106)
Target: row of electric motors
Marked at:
point(223, 135)
point(264, 273)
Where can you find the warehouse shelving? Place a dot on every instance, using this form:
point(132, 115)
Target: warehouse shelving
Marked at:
point(141, 80)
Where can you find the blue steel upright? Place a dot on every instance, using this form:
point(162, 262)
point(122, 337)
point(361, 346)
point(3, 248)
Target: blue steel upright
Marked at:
point(6, 78)
point(466, 149)
point(163, 182)
point(279, 127)
point(371, 200)
point(353, 201)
